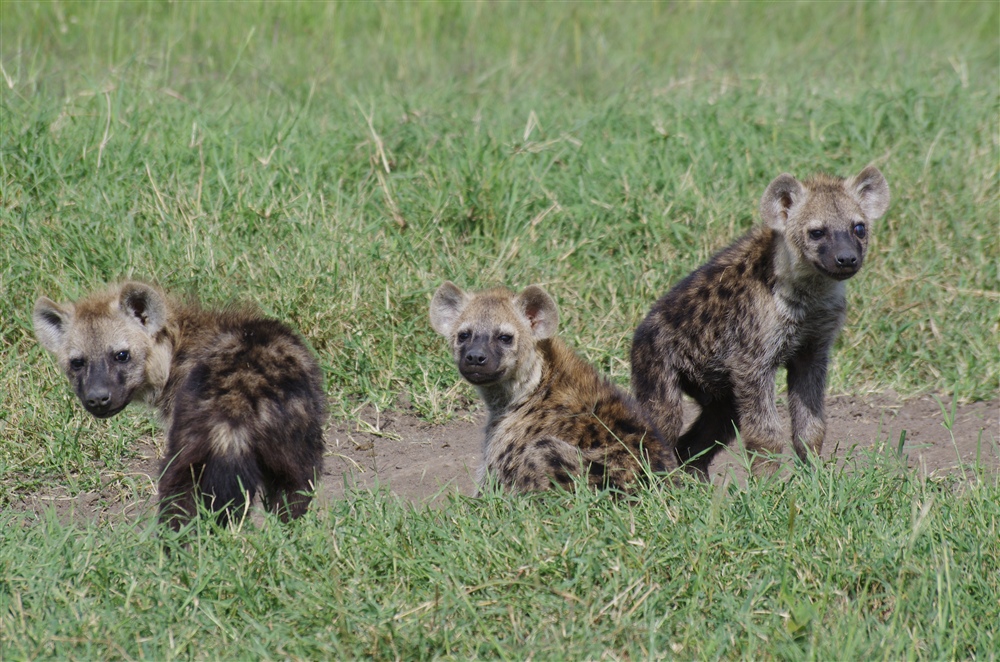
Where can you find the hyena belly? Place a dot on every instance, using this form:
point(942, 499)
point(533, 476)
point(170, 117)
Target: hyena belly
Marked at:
point(247, 417)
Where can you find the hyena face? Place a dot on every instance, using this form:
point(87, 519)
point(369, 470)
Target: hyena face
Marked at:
point(103, 343)
point(492, 333)
point(827, 219)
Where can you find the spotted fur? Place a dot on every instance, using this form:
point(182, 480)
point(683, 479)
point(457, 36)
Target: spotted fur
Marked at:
point(773, 298)
point(552, 417)
point(240, 395)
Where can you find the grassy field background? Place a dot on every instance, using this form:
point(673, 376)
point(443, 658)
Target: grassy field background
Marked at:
point(335, 162)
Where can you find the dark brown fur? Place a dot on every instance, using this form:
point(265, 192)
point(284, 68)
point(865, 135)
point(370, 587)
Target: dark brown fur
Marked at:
point(551, 415)
point(241, 395)
point(773, 298)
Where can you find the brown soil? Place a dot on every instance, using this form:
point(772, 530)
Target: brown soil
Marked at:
point(423, 462)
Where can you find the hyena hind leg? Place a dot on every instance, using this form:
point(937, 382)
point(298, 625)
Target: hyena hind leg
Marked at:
point(223, 485)
point(289, 499)
point(290, 477)
point(659, 394)
point(714, 429)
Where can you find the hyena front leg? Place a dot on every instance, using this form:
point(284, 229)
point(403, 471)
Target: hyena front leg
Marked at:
point(759, 423)
point(806, 389)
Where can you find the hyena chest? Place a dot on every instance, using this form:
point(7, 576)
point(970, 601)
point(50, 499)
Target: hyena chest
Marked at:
point(804, 321)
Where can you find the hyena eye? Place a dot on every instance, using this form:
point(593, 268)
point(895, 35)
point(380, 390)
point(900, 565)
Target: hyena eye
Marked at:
point(464, 335)
point(506, 338)
point(77, 364)
point(816, 234)
point(859, 231)
point(123, 356)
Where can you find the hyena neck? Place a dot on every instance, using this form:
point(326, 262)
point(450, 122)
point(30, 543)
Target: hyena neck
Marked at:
point(505, 396)
point(159, 368)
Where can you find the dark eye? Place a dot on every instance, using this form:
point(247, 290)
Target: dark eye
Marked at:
point(860, 231)
point(817, 234)
point(123, 356)
point(463, 336)
point(506, 338)
point(77, 364)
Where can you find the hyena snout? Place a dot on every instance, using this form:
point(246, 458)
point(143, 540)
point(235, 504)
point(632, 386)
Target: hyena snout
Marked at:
point(99, 389)
point(98, 399)
point(478, 363)
point(476, 357)
point(845, 258)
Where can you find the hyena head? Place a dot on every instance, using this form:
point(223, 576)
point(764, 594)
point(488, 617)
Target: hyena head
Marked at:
point(493, 333)
point(106, 344)
point(827, 220)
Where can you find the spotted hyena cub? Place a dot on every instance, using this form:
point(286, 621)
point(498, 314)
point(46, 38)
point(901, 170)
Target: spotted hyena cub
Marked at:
point(551, 416)
point(774, 298)
point(241, 395)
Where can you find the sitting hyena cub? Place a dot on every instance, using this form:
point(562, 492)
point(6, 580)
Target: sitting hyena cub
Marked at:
point(241, 395)
point(774, 298)
point(551, 416)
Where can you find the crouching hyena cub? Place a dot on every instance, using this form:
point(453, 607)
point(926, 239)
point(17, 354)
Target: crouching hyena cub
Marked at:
point(551, 416)
point(241, 395)
point(774, 298)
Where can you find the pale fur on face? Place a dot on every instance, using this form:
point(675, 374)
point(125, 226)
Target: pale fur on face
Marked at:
point(126, 317)
point(510, 325)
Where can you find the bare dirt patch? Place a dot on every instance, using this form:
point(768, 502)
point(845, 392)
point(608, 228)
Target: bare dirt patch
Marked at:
point(423, 462)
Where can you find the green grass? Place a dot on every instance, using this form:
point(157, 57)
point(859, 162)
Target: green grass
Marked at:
point(864, 563)
point(336, 162)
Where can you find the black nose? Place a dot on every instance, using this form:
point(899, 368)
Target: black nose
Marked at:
point(475, 357)
point(98, 398)
point(847, 260)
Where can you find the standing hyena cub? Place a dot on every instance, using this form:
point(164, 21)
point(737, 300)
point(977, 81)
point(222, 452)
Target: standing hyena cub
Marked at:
point(551, 416)
point(241, 395)
point(774, 298)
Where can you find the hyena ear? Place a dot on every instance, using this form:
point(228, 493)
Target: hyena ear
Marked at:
point(51, 322)
point(145, 304)
point(541, 311)
point(778, 199)
point(448, 303)
point(871, 191)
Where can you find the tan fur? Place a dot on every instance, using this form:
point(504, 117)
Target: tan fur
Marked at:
point(551, 416)
point(773, 298)
point(240, 395)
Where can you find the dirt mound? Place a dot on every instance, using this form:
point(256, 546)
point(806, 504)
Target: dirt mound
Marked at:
point(422, 462)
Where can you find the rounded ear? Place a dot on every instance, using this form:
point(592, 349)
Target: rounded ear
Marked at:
point(871, 191)
point(448, 303)
point(778, 199)
point(541, 311)
point(51, 322)
point(146, 304)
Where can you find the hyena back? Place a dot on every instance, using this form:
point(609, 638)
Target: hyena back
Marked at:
point(240, 395)
point(551, 415)
point(773, 298)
